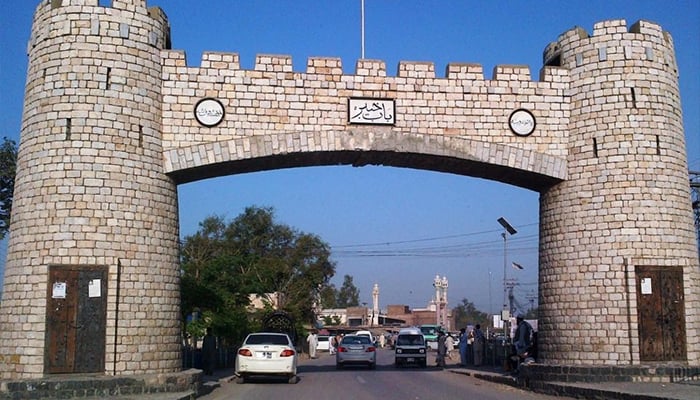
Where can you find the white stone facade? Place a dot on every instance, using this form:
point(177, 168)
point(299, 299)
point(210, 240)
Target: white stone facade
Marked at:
point(90, 187)
point(109, 132)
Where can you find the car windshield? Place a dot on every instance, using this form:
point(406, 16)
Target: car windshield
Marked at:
point(355, 340)
point(428, 330)
point(267, 338)
point(410, 340)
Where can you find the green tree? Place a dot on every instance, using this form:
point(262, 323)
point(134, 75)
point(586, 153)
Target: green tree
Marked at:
point(348, 295)
point(329, 296)
point(8, 168)
point(210, 288)
point(331, 320)
point(225, 262)
point(466, 313)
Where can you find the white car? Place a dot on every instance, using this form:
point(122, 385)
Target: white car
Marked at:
point(266, 354)
point(323, 343)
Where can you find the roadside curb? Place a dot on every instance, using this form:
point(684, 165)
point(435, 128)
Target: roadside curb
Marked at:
point(489, 376)
point(601, 391)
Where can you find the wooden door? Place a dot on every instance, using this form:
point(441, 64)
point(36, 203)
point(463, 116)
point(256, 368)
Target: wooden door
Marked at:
point(76, 318)
point(661, 313)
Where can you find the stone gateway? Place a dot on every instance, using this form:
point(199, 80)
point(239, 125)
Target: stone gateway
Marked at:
point(114, 120)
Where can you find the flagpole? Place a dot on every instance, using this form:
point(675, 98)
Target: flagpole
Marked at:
point(362, 2)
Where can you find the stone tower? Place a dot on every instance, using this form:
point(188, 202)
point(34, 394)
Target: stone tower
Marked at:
point(109, 130)
point(619, 227)
point(375, 305)
point(94, 217)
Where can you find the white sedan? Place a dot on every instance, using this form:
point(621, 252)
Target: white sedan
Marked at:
point(266, 354)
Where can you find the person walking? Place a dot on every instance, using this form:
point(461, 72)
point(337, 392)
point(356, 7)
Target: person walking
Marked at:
point(441, 350)
point(331, 344)
point(338, 339)
point(463, 347)
point(312, 339)
point(449, 345)
point(209, 353)
point(470, 346)
point(523, 340)
point(479, 341)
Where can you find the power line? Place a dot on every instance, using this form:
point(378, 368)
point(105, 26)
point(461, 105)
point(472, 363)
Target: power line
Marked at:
point(423, 239)
point(524, 244)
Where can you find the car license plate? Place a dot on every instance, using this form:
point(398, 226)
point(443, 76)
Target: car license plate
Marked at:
point(264, 354)
point(411, 359)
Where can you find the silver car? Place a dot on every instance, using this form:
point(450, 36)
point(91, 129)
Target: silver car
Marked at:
point(356, 350)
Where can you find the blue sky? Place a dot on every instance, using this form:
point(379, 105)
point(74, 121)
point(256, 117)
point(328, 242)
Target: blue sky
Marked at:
point(396, 227)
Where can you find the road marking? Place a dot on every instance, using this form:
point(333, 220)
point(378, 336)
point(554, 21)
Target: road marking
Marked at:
point(361, 379)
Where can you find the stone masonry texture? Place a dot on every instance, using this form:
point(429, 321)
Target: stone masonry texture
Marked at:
point(109, 132)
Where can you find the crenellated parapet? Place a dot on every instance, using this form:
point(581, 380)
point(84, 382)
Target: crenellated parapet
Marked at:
point(612, 40)
point(222, 64)
point(126, 19)
point(272, 95)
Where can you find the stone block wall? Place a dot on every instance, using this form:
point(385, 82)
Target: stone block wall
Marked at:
point(272, 110)
point(624, 203)
point(90, 187)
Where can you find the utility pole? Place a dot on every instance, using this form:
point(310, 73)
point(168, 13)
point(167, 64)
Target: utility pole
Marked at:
point(510, 284)
point(531, 298)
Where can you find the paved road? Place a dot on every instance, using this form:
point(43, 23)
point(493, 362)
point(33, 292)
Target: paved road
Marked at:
point(320, 380)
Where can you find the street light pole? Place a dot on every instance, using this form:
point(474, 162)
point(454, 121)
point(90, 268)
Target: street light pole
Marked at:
point(508, 230)
point(490, 301)
point(505, 269)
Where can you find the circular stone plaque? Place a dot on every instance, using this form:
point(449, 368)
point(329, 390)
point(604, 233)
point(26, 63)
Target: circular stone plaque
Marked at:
point(522, 122)
point(209, 112)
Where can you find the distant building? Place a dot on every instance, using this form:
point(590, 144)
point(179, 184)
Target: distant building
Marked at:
point(397, 315)
point(334, 313)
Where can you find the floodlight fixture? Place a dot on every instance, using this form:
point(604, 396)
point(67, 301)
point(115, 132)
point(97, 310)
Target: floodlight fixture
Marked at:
point(507, 226)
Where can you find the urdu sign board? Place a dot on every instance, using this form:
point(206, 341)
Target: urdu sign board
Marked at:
point(371, 111)
point(209, 112)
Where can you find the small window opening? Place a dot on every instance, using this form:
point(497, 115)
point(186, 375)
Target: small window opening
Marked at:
point(554, 61)
point(68, 128)
point(634, 98)
point(140, 135)
point(658, 146)
point(595, 147)
point(108, 79)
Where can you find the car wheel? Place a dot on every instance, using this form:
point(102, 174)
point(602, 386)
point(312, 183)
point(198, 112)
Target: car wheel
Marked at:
point(293, 379)
point(373, 366)
point(424, 364)
point(338, 366)
point(240, 379)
